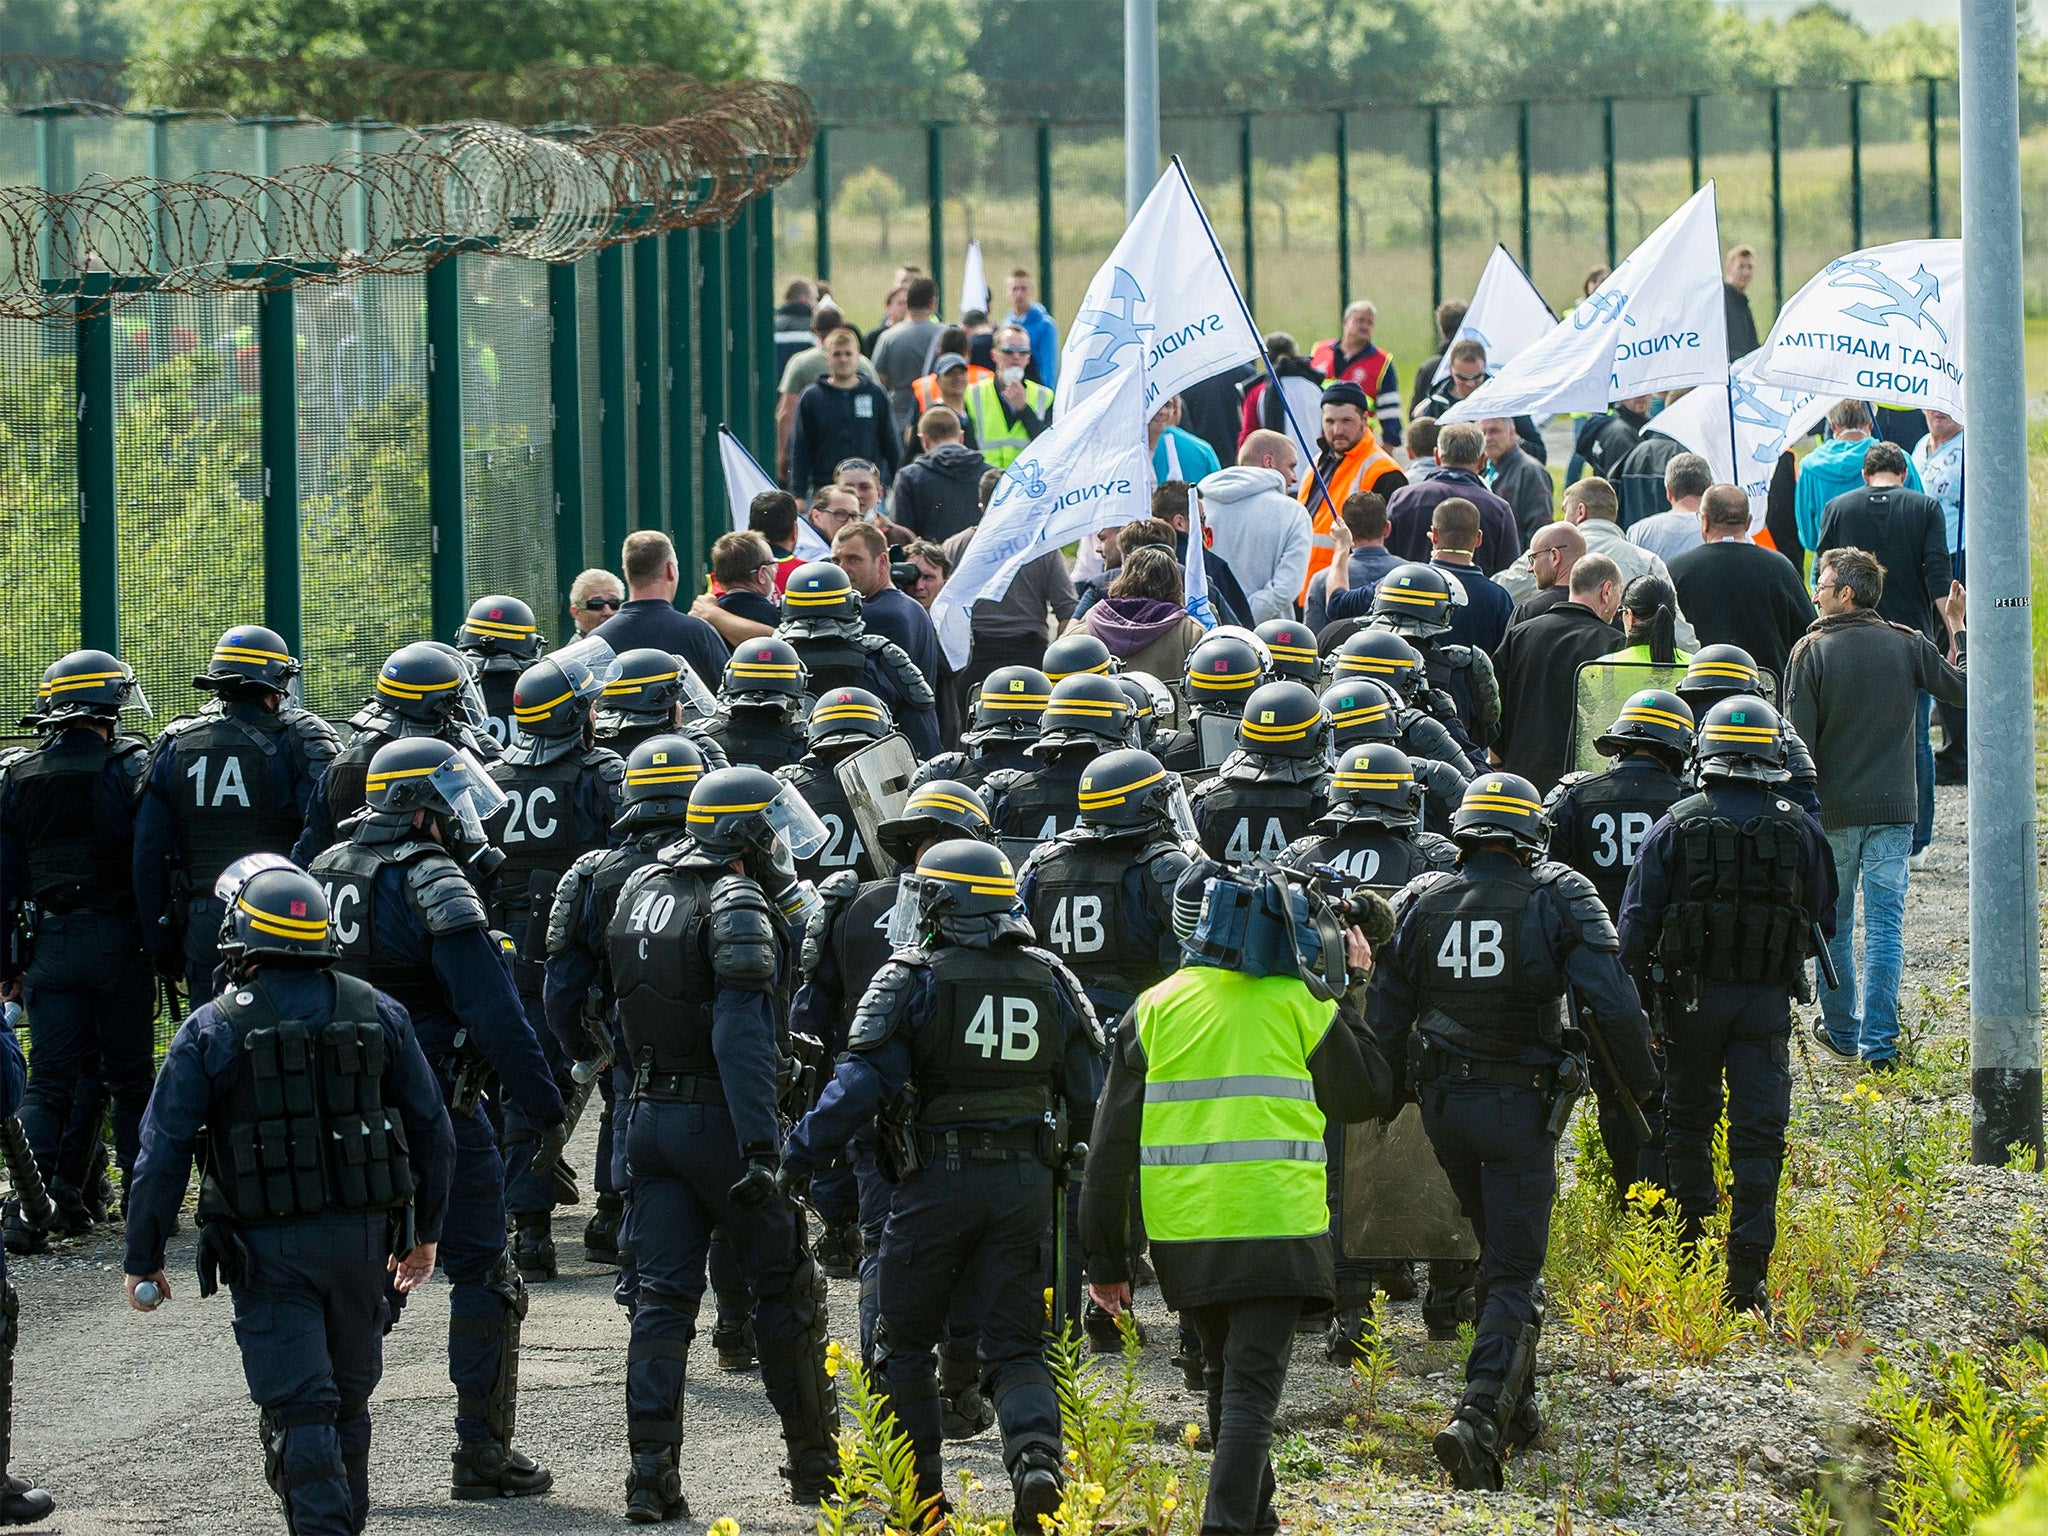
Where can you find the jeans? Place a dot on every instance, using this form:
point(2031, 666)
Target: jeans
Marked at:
point(1874, 858)
point(1923, 773)
point(1245, 1345)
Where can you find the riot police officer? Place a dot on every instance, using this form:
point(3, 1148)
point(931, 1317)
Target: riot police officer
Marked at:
point(238, 778)
point(406, 918)
point(656, 693)
point(982, 1054)
point(1727, 894)
point(1087, 715)
point(1718, 672)
point(1222, 672)
point(562, 795)
point(21, 1503)
point(843, 721)
point(501, 638)
point(1272, 788)
point(701, 964)
point(70, 945)
point(1002, 723)
point(1415, 602)
point(327, 1150)
point(1430, 727)
point(1292, 647)
point(1363, 708)
point(760, 723)
point(821, 621)
point(1597, 823)
point(1152, 712)
point(1480, 957)
point(1076, 653)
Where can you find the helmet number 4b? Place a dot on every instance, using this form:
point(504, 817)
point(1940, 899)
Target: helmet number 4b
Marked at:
point(1018, 1040)
point(1472, 947)
point(1635, 826)
point(1077, 925)
point(524, 814)
point(1272, 842)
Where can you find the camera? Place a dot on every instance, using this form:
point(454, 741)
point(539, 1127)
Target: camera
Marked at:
point(905, 573)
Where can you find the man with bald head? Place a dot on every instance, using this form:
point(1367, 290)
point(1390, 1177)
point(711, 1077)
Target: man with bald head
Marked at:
point(1737, 592)
point(1257, 527)
point(1552, 553)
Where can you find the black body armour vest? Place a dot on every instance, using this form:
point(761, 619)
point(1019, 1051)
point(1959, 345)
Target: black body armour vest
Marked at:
point(1365, 853)
point(304, 1129)
point(541, 832)
point(758, 739)
point(226, 793)
point(661, 970)
point(1739, 908)
point(347, 783)
point(832, 661)
point(347, 872)
point(1615, 812)
point(860, 943)
point(991, 1050)
point(74, 860)
point(843, 849)
point(1242, 821)
point(1077, 912)
point(1480, 994)
point(1045, 802)
point(496, 685)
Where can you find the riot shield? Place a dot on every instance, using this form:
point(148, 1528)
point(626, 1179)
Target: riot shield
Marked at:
point(1393, 1199)
point(876, 782)
point(1216, 735)
point(1602, 687)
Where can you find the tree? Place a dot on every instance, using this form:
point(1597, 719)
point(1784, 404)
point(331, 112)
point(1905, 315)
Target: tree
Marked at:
point(872, 191)
point(909, 56)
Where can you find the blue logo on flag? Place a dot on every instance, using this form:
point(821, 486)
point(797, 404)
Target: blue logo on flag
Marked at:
point(1748, 406)
point(1023, 475)
point(1866, 273)
point(1116, 330)
point(1602, 308)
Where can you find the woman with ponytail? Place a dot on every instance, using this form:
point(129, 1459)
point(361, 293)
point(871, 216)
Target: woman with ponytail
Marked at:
point(1648, 612)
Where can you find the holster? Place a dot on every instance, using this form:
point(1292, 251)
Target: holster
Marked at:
point(1052, 1137)
point(222, 1256)
point(470, 1077)
point(1564, 1097)
point(404, 1235)
point(900, 1147)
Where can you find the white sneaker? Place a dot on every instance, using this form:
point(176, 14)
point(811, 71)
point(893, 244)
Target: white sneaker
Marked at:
point(1826, 1042)
point(1917, 860)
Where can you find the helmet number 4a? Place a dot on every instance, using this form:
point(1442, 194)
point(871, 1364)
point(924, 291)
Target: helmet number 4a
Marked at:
point(1018, 1040)
point(1621, 850)
point(1077, 925)
point(1472, 947)
point(1272, 842)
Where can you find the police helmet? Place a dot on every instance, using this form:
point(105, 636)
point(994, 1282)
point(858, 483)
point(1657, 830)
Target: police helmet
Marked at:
point(1375, 782)
point(660, 774)
point(1381, 654)
point(1222, 672)
point(647, 682)
point(1361, 709)
point(423, 682)
point(1283, 719)
point(820, 590)
point(1074, 653)
point(85, 685)
point(276, 913)
point(1717, 672)
point(1129, 788)
point(955, 887)
point(425, 773)
point(1086, 709)
point(1151, 705)
point(1501, 805)
point(1293, 650)
point(249, 656)
point(938, 808)
point(763, 671)
point(846, 717)
point(1414, 599)
point(554, 697)
point(733, 810)
point(1742, 738)
point(1008, 705)
point(1652, 718)
point(500, 626)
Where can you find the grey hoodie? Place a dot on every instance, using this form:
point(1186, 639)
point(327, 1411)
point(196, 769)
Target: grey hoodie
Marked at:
point(1262, 533)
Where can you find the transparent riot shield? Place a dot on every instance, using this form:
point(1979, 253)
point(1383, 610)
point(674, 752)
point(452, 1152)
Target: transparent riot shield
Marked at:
point(1394, 1201)
point(876, 782)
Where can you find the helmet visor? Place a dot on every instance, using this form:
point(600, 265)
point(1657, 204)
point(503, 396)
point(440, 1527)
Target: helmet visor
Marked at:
point(587, 665)
point(471, 795)
point(699, 702)
point(906, 926)
point(1180, 816)
point(242, 871)
point(795, 823)
point(135, 701)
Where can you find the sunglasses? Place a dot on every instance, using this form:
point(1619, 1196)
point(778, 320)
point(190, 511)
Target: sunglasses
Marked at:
point(1468, 378)
point(1014, 351)
point(859, 466)
point(602, 602)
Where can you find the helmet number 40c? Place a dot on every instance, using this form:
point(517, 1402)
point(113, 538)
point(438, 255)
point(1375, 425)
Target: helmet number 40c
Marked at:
point(1019, 1038)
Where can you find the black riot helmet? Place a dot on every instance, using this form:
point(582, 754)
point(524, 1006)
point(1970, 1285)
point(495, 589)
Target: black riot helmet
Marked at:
point(937, 809)
point(1130, 790)
point(848, 717)
point(647, 684)
point(1375, 782)
point(1501, 805)
point(660, 773)
point(1222, 672)
point(1283, 719)
point(249, 657)
point(423, 682)
point(1086, 709)
point(1381, 654)
point(500, 626)
point(963, 891)
point(1080, 652)
point(1293, 649)
point(1653, 718)
point(1151, 705)
point(820, 590)
point(733, 810)
point(1361, 709)
point(1008, 705)
point(425, 773)
point(1742, 738)
point(85, 685)
point(1718, 672)
point(1414, 599)
point(276, 915)
point(555, 696)
point(763, 671)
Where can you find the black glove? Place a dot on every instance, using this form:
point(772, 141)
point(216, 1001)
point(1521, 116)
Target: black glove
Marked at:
point(756, 1186)
point(792, 1182)
point(548, 1148)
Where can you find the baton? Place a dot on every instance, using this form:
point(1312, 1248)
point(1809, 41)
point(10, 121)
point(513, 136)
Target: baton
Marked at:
point(37, 1209)
point(1828, 973)
point(1591, 1028)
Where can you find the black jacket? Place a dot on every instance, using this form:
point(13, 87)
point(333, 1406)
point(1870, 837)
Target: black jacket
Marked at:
point(1538, 666)
point(1742, 337)
point(1743, 594)
point(1906, 531)
point(939, 493)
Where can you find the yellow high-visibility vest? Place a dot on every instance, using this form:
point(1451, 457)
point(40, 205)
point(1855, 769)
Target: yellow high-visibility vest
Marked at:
point(1000, 438)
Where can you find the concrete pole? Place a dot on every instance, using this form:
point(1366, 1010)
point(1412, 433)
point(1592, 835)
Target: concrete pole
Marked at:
point(2005, 946)
point(1141, 101)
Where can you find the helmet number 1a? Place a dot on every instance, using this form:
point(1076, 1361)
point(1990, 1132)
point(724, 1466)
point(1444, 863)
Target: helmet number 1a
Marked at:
point(1077, 925)
point(1018, 1040)
point(1473, 943)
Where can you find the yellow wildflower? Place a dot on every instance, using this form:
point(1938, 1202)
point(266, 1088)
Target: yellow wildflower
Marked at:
point(1190, 1433)
point(834, 1358)
point(724, 1525)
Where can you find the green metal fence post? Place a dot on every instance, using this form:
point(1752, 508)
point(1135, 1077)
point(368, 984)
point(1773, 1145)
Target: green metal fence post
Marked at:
point(1933, 158)
point(935, 203)
point(821, 200)
point(1777, 197)
point(447, 600)
point(1693, 138)
point(767, 374)
point(1343, 210)
point(612, 469)
point(99, 578)
point(647, 503)
point(565, 399)
point(1436, 205)
point(714, 332)
point(1522, 171)
point(739, 334)
point(686, 509)
point(1245, 192)
point(1856, 164)
point(1607, 164)
point(1045, 212)
point(278, 386)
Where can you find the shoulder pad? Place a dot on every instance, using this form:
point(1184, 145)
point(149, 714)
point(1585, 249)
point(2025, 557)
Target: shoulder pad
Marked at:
point(946, 765)
point(176, 727)
point(744, 949)
point(835, 891)
point(882, 1006)
point(1441, 852)
point(1076, 994)
point(1589, 912)
point(916, 691)
point(568, 904)
point(315, 736)
point(1001, 782)
point(611, 767)
point(447, 902)
point(1165, 862)
point(1565, 786)
point(1419, 887)
point(1455, 656)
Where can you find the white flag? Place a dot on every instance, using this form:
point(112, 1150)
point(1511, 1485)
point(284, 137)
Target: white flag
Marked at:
point(1165, 295)
point(1741, 427)
point(973, 281)
point(1506, 316)
point(1658, 322)
point(1089, 470)
point(1195, 574)
point(1885, 324)
point(744, 480)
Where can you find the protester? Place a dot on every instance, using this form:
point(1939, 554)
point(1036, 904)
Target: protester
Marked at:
point(1736, 592)
point(1028, 315)
point(1297, 408)
point(1465, 370)
point(1668, 535)
point(934, 569)
point(1556, 548)
point(743, 566)
point(1142, 621)
point(1348, 460)
point(1460, 455)
point(831, 509)
point(1647, 604)
point(1455, 537)
point(947, 384)
point(1360, 539)
point(1590, 505)
point(863, 477)
point(842, 416)
point(1938, 460)
point(800, 373)
point(1012, 630)
point(1514, 477)
point(1736, 274)
point(862, 552)
point(1853, 696)
point(594, 596)
point(1227, 601)
point(938, 493)
point(1449, 316)
point(1420, 446)
point(901, 351)
point(650, 618)
point(1257, 527)
point(1213, 408)
point(773, 515)
point(1189, 459)
point(1605, 438)
point(793, 319)
point(1836, 468)
point(894, 308)
point(1008, 410)
point(1352, 357)
point(1538, 666)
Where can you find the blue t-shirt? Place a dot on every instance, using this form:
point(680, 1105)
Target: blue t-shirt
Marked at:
point(1197, 458)
point(896, 614)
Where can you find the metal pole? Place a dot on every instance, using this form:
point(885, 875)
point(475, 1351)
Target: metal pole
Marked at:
point(647, 501)
point(1522, 168)
point(99, 570)
point(1245, 194)
point(764, 327)
point(1141, 102)
point(278, 387)
point(1436, 206)
point(821, 198)
point(611, 400)
point(1045, 213)
point(1856, 165)
point(1607, 163)
point(2005, 939)
point(1777, 198)
point(714, 332)
point(1343, 210)
point(1693, 138)
point(686, 509)
point(935, 204)
point(565, 400)
point(446, 600)
point(1933, 158)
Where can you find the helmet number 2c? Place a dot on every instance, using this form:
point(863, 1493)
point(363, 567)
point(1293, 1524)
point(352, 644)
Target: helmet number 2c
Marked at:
point(1473, 943)
point(1018, 1040)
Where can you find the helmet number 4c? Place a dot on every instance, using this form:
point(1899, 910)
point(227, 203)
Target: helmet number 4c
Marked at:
point(1475, 942)
point(1018, 1040)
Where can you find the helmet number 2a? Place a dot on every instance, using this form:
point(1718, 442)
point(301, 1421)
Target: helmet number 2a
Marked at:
point(1076, 927)
point(1619, 850)
point(1018, 1040)
point(1472, 947)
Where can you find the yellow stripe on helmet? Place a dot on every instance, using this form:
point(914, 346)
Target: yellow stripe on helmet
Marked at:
point(1100, 666)
point(1275, 732)
point(1095, 800)
point(1222, 679)
point(1015, 700)
point(979, 885)
point(849, 710)
point(283, 927)
point(1724, 669)
point(830, 597)
point(745, 669)
point(1094, 707)
point(681, 773)
point(1645, 715)
point(527, 713)
point(82, 680)
point(1380, 666)
point(620, 685)
point(1362, 780)
point(1741, 733)
point(702, 813)
point(1305, 654)
point(399, 690)
point(503, 631)
point(925, 800)
point(391, 776)
point(1362, 714)
point(246, 653)
point(1414, 599)
point(1503, 803)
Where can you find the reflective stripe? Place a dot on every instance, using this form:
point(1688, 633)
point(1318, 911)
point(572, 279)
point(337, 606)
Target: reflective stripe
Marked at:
point(1249, 1085)
point(1205, 1152)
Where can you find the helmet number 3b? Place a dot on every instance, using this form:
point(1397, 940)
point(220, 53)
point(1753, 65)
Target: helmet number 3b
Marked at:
point(1472, 948)
point(1014, 1035)
point(1618, 847)
point(1076, 927)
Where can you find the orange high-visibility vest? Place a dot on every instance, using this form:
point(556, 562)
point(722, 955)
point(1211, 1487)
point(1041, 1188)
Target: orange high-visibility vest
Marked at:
point(1356, 471)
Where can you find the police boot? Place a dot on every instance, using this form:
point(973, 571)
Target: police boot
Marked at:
point(1037, 1483)
point(810, 1423)
point(1746, 1288)
point(20, 1504)
point(732, 1341)
point(566, 1192)
point(601, 1232)
point(654, 1488)
point(1396, 1277)
point(487, 1467)
point(1517, 1411)
point(1451, 1299)
point(1105, 1335)
point(963, 1411)
point(492, 1469)
point(20, 1237)
point(1352, 1332)
point(1469, 1447)
point(838, 1249)
point(533, 1245)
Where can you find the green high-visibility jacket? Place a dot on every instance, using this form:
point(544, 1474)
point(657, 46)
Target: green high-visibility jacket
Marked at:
point(1000, 438)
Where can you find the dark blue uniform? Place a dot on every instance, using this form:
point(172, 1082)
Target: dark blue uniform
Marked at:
point(310, 1311)
point(19, 1503)
point(841, 654)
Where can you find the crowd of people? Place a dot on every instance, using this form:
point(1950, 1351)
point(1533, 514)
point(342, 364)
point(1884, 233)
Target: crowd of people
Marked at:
point(830, 935)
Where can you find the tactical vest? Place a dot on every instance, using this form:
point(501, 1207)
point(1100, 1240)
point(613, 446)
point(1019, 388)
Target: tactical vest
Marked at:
point(625, 735)
point(1042, 804)
point(991, 1049)
point(1613, 813)
point(843, 848)
point(758, 740)
point(542, 830)
point(496, 685)
point(75, 859)
point(348, 872)
point(1077, 912)
point(1242, 821)
point(1739, 908)
point(661, 970)
point(1365, 853)
point(833, 661)
point(1480, 994)
point(227, 795)
point(860, 942)
point(304, 1128)
point(347, 783)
